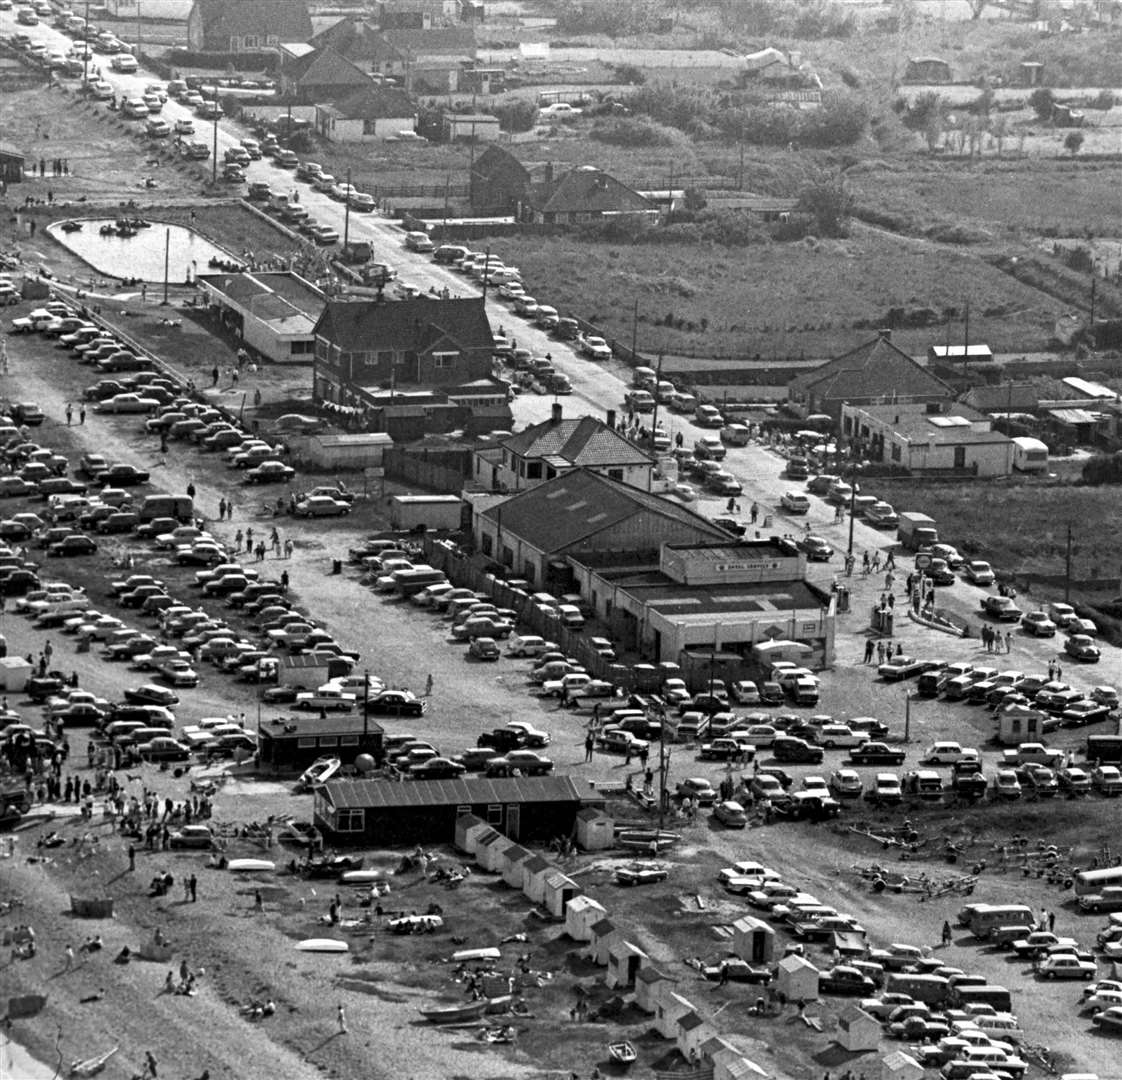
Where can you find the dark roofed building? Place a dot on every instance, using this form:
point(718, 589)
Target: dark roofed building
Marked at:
point(369, 114)
point(322, 75)
point(583, 194)
point(292, 744)
point(498, 182)
point(558, 445)
point(388, 812)
point(234, 26)
point(874, 373)
point(11, 163)
point(415, 343)
point(582, 511)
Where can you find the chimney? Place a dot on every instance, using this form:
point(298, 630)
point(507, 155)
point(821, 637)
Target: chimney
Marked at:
point(612, 418)
point(885, 333)
point(556, 417)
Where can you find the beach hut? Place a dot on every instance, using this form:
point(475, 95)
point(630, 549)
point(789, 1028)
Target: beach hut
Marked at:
point(857, 1031)
point(604, 935)
point(753, 940)
point(900, 1066)
point(595, 830)
point(490, 851)
point(648, 987)
point(581, 914)
point(557, 892)
point(469, 830)
point(796, 978)
point(693, 1032)
point(534, 871)
point(730, 1064)
point(625, 960)
point(671, 1008)
point(514, 858)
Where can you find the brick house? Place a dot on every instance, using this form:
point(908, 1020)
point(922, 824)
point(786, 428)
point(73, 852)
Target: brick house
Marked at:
point(234, 26)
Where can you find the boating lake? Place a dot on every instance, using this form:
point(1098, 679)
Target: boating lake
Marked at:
point(141, 256)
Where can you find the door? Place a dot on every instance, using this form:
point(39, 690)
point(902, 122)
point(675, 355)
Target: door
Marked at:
point(960, 457)
point(513, 821)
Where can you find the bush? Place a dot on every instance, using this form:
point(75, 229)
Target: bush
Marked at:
point(628, 74)
point(631, 131)
point(841, 121)
point(1103, 469)
point(1042, 101)
point(516, 116)
point(615, 18)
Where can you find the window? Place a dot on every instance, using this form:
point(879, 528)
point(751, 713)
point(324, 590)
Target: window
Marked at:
point(508, 556)
point(615, 474)
point(443, 359)
point(895, 451)
point(533, 470)
point(301, 348)
point(349, 740)
point(462, 810)
point(960, 457)
point(495, 814)
point(329, 740)
point(487, 543)
point(306, 741)
point(350, 820)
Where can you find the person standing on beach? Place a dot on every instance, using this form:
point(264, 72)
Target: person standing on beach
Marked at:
point(341, 1016)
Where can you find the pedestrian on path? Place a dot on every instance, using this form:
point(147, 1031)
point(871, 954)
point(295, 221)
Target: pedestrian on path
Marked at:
point(193, 883)
point(69, 414)
point(258, 902)
point(221, 509)
point(947, 935)
point(289, 546)
point(428, 685)
point(589, 746)
point(1008, 642)
point(132, 857)
point(870, 646)
point(341, 1016)
point(81, 414)
point(68, 954)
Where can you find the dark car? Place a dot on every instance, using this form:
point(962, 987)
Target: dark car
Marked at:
point(151, 695)
point(876, 753)
point(846, 980)
point(17, 581)
point(122, 475)
point(60, 485)
point(395, 703)
point(122, 521)
point(502, 740)
point(795, 751)
point(436, 768)
point(76, 544)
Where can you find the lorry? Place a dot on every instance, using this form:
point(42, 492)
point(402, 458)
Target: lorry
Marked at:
point(442, 512)
point(311, 670)
point(915, 530)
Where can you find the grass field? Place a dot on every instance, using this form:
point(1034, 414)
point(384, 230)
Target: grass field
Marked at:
point(780, 299)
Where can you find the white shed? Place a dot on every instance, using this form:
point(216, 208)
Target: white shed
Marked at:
point(730, 1064)
point(625, 961)
point(671, 1008)
point(357, 450)
point(469, 832)
point(604, 935)
point(581, 914)
point(514, 858)
point(14, 672)
point(534, 872)
point(595, 830)
point(796, 978)
point(649, 984)
point(557, 892)
point(900, 1066)
point(491, 851)
point(753, 940)
point(857, 1031)
point(693, 1032)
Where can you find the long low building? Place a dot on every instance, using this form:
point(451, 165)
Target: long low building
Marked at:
point(391, 812)
point(291, 744)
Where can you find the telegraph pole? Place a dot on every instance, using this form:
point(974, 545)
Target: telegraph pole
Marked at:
point(214, 149)
point(1067, 568)
point(347, 216)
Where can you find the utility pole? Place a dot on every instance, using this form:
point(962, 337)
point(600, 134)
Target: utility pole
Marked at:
point(214, 151)
point(966, 337)
point(347, 216)
point(1067, 568)
point(365, 707)
point(852, 510)
point(138, 30)
point(670, 194)
point(167, 260)
point(1094, 285)
point(486, 272)
point(635, 329)
point(654, 414)
point(86, 49)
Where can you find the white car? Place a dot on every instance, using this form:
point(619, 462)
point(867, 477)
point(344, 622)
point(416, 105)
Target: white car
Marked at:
point(559, 110)
point(596, 348)
point(529, 645)
point(534, 736)
point(794, 503)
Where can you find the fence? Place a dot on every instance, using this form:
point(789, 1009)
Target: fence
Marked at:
point(421, 471)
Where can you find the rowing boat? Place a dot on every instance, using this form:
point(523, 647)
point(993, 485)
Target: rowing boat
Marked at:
point(454, 1014)
point(622, 1052)
point(91, 1066)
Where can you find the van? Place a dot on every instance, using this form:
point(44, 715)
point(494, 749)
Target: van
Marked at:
point(683, 402)
point(997, 996)
point(644, 378)
point(1002, 1026)
point(409, 582)
point(735, 434)
point(982, 919)
point(930, 989)
point(180, 507)
point(639, 401)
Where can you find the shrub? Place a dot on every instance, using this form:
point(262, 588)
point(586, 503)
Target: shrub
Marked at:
point(635, 131)
point(1103, 469)
point(516, 116)
point(1042, 101)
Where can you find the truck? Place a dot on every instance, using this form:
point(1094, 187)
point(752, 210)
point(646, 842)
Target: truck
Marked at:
point(915, 530)
point(1104, 749)
point(442, 512)
point(1032, 754)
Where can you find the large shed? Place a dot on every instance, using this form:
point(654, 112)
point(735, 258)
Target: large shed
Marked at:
point(387, 812)
point(582, 913)
point(358, 450)
point(753, 940)
point(797, 979)
point(595, 830)
point(292, 744)
point(857, 1031)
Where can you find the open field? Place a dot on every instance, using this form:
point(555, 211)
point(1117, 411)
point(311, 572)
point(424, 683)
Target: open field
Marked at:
point(777, 299)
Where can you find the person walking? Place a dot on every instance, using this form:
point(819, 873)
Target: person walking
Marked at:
point(81, 414)
point(193, 885)
point(221, 509)
point(947, 935)
point(589, 746)
point(132, 857)
point(341, 1017)
point(289, 546)
point(428, 685)
point(870, 647)
point(1008, 642)
point(214, 375)
point(69, 414)
point(258, 902)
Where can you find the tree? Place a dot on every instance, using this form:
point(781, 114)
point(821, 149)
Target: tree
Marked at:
point(829, 204)
point(977, 7)
point(1042, 101)
point(1074, 142)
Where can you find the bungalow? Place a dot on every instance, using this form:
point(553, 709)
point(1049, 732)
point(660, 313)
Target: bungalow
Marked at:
point(648, 987)
point(247, 25)
point(857, 1031)
point(584, 194)
point(582, 913)
point(671, 1008)
point(557, 892)
point(534, 871)
point(625, 960)
point(753, 940)
point(514, 859)
point(595, 830)
point(693, 1032)
point(321, 75)
point(367, 115)
point(604, 935)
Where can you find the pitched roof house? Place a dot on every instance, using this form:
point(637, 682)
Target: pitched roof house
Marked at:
point(423, 342)
point(583, 194)
point(366, 115)
point(498, 182)
point(246, 25)
point(877, 372)
point(559, 445)
point(321, 75)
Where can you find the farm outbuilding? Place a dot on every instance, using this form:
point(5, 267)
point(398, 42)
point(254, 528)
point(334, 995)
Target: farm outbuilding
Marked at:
point(514, 860)
point(582, 913)
point(753, 940)
point(604, 935)
point(857, 1031)
point(386, 812)
point(797, 979)
point(671, 1008)
point(595, 830)
point(649, 984)
point(534, 872)
point(625, 961)
point(557, 892)
point(899, 1066)
point(470, 831)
